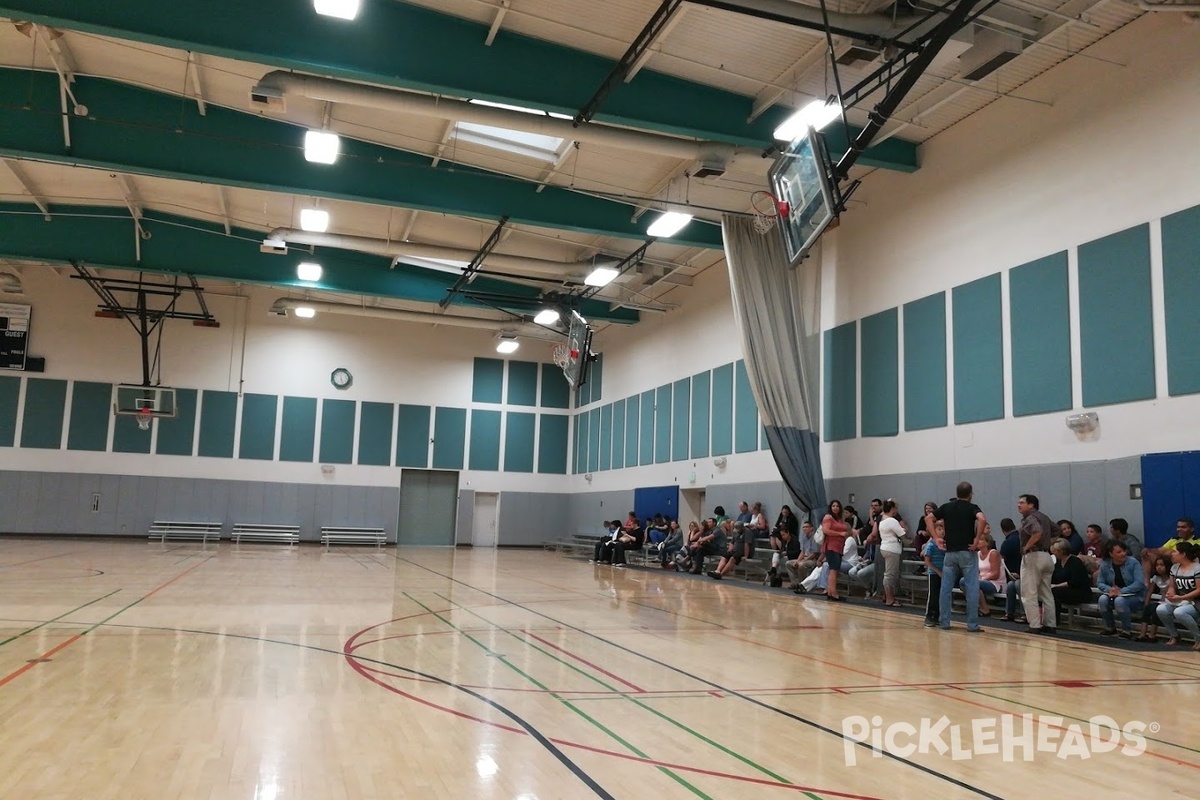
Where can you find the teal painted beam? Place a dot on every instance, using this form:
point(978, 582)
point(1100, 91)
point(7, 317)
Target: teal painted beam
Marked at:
point(129, 129)
point(407, 46)
point(103, 237)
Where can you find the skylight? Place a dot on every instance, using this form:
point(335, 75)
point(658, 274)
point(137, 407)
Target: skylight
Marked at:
point(528, 145)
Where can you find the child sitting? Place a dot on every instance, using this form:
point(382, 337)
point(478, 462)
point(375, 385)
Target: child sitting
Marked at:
point(1160, 576)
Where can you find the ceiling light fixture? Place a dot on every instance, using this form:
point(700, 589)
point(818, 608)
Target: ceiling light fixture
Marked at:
point(304, 312)
point(314, 220)
point(508, 344)
point(547, 316)
point(309, 271)
point(816, 114)
point(668, 224)
point(321, 147)
point(601, 276)
point(342, 9)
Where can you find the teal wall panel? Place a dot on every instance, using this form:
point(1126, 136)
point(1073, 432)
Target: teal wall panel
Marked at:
point(1115, 320)
point(45, 406)
point(91, 411)
point(1040, 326)
point(745, 411)
point(10, 395)
point(412, 436)
point(218, 416)
point(701, 399)
point(298, 429)
point(337, 431)
point(978, 351)
point(485, 440)
point(594, 440)
point(258, 426)
point(681, 405)
point(925, 363)
point(632, 429)
point(555, 391)
point(722, 410)
point(128, 437)
point(552, 444)
point(487, 381)
point(606, 431)
point(1181, 285)
point(522, 383)
point(176, 434)
point(582, 439)
point(618, 435)
point(449, 437)
point(880, 381)
point(841, 380)
point(646, 429)
point(375, 434)
point(662, 425)
point(519, 429)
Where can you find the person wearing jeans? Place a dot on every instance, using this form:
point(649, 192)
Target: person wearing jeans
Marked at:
point(961, 567)
point(1121, 590)
point(964, 522)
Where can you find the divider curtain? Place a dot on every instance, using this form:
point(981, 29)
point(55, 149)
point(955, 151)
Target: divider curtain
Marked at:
point(778, 311)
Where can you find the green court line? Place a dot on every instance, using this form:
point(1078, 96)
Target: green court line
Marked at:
point(504, 660)
point(56, 619)
point(1076, 719)
point(635, 700)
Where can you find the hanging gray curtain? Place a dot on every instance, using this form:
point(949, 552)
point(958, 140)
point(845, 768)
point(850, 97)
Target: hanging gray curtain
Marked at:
point(778, 311)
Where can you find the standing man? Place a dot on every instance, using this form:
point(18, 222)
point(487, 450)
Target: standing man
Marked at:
point(964, 521)
point(1037, 566)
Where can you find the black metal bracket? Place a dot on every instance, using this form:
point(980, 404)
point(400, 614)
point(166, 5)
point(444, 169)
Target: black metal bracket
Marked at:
point(469, 271)
point(624, 265)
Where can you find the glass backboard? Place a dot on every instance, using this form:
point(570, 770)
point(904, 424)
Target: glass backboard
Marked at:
point(800, 178)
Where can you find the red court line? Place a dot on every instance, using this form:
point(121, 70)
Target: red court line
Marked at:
point(22, 670)
point(582, 660)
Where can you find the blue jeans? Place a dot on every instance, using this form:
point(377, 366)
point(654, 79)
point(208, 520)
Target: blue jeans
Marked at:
point(1012, 597)
point(961, 565)
point(1123, 605)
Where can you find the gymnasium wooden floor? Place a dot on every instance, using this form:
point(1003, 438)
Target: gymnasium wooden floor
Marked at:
point(134, 670)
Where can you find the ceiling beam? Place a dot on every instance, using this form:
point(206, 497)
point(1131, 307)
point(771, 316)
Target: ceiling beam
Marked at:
point(193, 69)
point(408, 46)
point(138, 131)
point(99, 237)
point(224, 204)
point(497, 21)
point(23, 178)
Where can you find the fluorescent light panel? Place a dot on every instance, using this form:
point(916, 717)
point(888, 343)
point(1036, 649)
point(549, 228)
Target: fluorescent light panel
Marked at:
point(601, 276)
point(547, 316)
point(321, 147)
point(309, 271)
point(304, 312)
point(816, 114)
point(314, 220)
point(342, 9)
point(668, 224)
point(507, 346)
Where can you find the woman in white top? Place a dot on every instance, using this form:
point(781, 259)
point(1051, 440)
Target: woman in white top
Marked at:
point(1179, 605)
point(990, 571)
point(891, 544)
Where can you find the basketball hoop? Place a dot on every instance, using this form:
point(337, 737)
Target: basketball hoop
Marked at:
point(562, 355)
point(767, 210)
point(143, 417)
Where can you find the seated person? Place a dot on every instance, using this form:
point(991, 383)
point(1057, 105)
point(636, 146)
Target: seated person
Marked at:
point(1179, 604)
point(1122, 588)
point(809, 558)
point(922, 535)
point(1185, 528)
point(990, 569)
point(1093, 549)
point(712, 542)
point(1068, 531)
point(671, 545)
point(1118, 530)
point(1156, 592)
point(819, 578)
point(658, 529)
point(741, 545)
point(631, 537)
point(1070, 582)
point(603, 552)
point(786, 520)
point(744, 515)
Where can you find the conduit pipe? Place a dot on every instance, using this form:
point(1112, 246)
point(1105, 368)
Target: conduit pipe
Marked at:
point(525, 329)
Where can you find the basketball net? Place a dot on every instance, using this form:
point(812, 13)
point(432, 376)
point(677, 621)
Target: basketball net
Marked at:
point(143, 418)
point(767, 210)
point(562, 355)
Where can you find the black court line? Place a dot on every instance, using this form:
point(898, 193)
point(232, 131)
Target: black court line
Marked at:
point(731, 692)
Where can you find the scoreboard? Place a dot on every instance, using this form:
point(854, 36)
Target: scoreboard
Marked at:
point(14, 335)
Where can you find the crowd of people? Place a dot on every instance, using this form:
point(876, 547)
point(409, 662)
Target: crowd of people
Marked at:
point(1040, 566)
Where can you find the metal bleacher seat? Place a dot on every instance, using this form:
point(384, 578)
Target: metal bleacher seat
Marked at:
point(164, 530)
point(341, 534)
point(265, 533)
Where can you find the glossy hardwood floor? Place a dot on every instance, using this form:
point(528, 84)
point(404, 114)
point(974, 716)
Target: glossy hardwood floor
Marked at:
point(134, 670)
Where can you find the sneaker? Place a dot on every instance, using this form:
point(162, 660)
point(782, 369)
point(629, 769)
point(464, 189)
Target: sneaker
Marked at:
point(712, 574)
point(1109, 632)
point(799, 590)
point(622, 565)
point(930, 623)
point(1124, 635)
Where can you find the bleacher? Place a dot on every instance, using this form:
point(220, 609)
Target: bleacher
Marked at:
point(261, 533)
point(340, 534)
point(165, 530)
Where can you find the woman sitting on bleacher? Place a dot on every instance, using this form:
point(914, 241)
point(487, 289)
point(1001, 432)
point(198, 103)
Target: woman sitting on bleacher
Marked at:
point(990, 581)
point(1071, 583)
point(672, 544)
point(1121, 588)
point(1179, 606)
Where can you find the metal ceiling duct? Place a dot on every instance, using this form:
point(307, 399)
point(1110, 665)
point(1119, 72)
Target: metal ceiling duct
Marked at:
point(525, 329)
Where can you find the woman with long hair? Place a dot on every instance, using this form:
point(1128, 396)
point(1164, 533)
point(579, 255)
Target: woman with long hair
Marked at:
point(990, 571)
point(891, 544)
point(786, 521)
point(1183, 592)
point(835, 531)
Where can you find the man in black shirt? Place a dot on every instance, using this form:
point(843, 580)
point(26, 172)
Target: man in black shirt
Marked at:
point(964, 521)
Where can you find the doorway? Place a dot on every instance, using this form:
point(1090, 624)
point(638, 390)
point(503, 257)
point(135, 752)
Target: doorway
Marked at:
point(487, 511)
point(691, 506)
point(428, 505)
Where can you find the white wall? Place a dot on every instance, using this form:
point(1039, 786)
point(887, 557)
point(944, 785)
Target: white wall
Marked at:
point(1115, 148)
point(391, 361)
